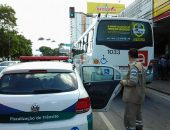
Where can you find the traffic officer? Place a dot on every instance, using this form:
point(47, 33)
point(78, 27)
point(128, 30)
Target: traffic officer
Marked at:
point(134, 92)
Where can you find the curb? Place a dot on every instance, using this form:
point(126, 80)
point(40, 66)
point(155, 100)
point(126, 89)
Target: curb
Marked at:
point(158, 90)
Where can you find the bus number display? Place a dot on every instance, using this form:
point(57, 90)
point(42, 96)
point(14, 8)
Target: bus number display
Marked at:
point(115, 52)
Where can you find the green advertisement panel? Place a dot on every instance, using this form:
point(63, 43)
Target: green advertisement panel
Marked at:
point(42, 116)
point(125, 31)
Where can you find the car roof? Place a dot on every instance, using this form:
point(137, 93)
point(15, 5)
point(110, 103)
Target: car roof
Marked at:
point(50, 66)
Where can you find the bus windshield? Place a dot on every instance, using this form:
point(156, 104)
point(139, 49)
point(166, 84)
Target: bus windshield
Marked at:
point(124, 34)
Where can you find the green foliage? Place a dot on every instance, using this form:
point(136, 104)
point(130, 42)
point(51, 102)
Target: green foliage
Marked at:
point(11, 43)
point(47, 51)
point(7, 17)
point(20, 46)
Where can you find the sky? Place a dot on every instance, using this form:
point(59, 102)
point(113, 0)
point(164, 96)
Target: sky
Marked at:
point(48, 19)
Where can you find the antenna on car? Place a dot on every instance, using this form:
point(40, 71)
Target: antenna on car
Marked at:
point(74, 66)
point(99, 15)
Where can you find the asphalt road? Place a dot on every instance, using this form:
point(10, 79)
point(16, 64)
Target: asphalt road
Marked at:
point(156, 113)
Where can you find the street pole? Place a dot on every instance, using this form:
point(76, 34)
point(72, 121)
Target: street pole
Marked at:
point(9, 48)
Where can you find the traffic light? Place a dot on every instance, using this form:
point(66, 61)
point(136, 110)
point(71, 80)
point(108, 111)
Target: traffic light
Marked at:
point(71, 12)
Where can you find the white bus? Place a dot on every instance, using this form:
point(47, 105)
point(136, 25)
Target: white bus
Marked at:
point(108, 40)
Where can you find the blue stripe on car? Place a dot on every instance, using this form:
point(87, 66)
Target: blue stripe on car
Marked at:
point(70, 109)
point(8, 110)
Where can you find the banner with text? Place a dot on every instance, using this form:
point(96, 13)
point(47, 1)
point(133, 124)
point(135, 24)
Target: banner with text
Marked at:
point(104, 8)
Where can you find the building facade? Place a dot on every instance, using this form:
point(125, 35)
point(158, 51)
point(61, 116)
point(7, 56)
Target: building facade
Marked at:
point(139, 9)
point(78, 25)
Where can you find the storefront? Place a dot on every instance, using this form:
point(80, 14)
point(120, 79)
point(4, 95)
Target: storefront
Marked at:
point(161, 19)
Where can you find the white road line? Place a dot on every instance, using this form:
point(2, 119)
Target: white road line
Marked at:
point(106, 121)
point(167, 97)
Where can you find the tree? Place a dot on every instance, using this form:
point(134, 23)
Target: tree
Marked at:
point(11, 43)
point(47, 51)
point(56, 51)
point(7, 17)
point(14, 45)
point(61, 45)
point(20, 46)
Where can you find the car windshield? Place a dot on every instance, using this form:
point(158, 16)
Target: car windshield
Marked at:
point(37, 83)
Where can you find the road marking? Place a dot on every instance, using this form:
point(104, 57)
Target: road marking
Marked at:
point(167, 97)
point(106, 121)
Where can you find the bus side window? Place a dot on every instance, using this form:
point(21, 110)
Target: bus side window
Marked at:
point(86, 45)
point(79, 47)
point(93, 74)
point(90, 41)
point(85, 42)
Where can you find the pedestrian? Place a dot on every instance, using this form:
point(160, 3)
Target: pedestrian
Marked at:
point(134, 92)
point(159, 68)
point(168, 65)
point(155, 68)
point(164, 66)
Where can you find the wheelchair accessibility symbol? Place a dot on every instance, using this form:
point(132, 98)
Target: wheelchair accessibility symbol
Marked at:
point(75, 128)
point(103, 60)
point(106, 71)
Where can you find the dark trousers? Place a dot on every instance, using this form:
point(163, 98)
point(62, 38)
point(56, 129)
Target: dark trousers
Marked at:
point(164, 72)
point(133, 116)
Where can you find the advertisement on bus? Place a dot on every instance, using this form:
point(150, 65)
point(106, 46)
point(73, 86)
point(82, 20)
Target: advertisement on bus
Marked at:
point(122, 34)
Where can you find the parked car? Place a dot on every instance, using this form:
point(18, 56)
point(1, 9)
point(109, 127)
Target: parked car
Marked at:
point(8, 63)
point(2, 67)
point(50, 95)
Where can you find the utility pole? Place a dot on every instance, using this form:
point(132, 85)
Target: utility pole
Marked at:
point(9, 47)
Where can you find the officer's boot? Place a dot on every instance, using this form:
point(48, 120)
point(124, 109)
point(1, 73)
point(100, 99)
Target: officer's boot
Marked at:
point(130, 128)
point(139, 127)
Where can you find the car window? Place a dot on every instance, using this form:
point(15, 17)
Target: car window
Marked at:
point(38, 83)
point(93, 74)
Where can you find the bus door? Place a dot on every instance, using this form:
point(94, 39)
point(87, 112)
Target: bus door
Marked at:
point(102, 84)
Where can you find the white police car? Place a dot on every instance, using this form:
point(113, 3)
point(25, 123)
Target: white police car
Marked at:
point(50, 95)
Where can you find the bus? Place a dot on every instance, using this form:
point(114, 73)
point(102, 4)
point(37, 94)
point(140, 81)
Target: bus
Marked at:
point(107, 41)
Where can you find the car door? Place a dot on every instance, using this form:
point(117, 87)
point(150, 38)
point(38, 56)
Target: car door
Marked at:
point(102, 84)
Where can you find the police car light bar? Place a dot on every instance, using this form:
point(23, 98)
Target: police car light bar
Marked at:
point(43, 58)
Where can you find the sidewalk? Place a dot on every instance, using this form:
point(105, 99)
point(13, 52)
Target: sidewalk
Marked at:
point(160, 85)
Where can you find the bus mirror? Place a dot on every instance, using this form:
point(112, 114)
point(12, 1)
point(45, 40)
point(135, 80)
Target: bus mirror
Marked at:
point(73, 50)
point(70, 61)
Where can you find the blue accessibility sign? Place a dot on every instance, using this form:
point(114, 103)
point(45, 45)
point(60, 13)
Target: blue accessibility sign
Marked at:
point(106, 71)
point(75, 128)
point(103, 60)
